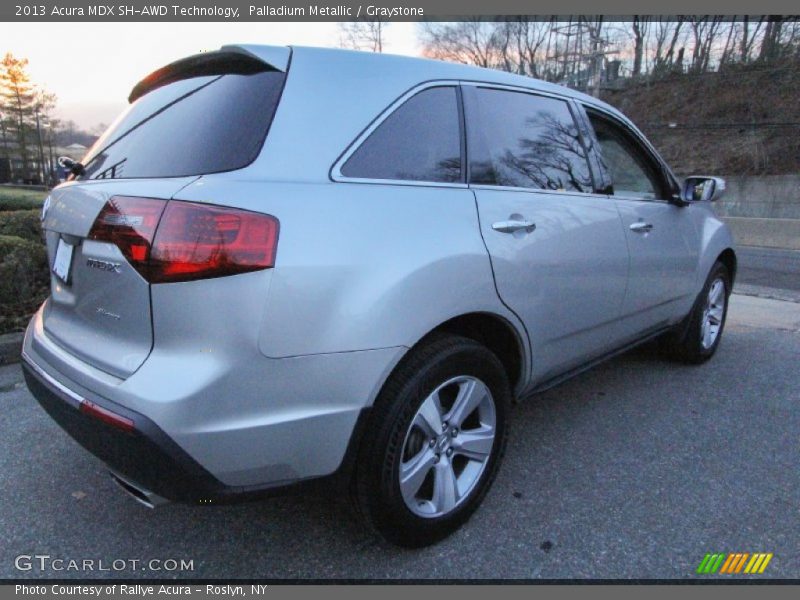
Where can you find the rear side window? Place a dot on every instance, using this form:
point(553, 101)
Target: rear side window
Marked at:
point(420, 141)
point(189, 127)
point(524, 140)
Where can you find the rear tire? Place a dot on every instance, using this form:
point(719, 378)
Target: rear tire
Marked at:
point(434, 441)
point(698, 336)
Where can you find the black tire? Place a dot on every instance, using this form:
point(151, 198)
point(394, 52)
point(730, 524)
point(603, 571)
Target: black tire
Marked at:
point(376, 486)
point(685, 343)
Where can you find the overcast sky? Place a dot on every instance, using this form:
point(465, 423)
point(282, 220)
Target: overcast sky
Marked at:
point(92, 67)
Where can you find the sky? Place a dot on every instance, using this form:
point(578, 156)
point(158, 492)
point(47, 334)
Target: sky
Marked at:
point(91, 67)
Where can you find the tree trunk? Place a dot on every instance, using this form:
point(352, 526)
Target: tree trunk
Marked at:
point(639, 27)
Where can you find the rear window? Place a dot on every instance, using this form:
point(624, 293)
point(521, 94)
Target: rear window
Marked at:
point(189, 127)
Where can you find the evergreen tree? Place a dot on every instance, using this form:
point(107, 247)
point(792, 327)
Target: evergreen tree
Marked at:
point(18, 106)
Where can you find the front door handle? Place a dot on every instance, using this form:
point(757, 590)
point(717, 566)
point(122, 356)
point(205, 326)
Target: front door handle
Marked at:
point(642, 227)
point(513, 225)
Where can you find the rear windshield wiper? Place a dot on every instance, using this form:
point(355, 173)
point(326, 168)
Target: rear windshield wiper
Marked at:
point(72, 165)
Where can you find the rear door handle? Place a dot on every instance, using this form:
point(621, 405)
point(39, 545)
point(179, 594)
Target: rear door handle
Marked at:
point(513, 225)
point(641, 227)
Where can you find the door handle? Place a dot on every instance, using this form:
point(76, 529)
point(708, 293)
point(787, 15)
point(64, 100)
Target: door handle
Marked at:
point(513, 225)
point(641, 227)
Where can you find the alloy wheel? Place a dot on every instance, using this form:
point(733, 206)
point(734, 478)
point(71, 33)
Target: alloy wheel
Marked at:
point(447, 446)
point(713, 313)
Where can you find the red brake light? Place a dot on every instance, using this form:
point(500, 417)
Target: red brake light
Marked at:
point(130, 224)
point(183, 241)
point(195, 241)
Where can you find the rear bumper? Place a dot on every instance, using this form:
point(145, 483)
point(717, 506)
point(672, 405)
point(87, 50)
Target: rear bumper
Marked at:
point(218, 419)
point(148, 460)
point(210, 427)
point(145, 456)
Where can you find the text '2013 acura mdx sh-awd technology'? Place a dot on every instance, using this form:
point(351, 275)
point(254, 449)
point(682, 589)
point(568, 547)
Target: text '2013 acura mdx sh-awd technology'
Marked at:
point(293, 265)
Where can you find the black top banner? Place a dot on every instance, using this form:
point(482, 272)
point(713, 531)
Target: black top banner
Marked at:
point(386, 10)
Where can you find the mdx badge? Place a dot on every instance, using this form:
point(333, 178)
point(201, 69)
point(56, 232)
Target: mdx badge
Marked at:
point(103, 265)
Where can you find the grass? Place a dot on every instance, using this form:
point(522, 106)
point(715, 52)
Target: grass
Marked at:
point(12, 198)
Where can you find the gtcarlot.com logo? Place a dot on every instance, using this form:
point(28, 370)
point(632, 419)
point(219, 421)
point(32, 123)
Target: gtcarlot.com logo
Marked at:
point(45, 563)
point(734, 563)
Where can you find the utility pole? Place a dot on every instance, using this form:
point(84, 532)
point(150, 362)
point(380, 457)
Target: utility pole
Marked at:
point(598, 58)
point(582, 68)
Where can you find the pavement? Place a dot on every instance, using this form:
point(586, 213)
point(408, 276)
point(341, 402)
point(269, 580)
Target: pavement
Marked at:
point(768, 272)
point(635, 469)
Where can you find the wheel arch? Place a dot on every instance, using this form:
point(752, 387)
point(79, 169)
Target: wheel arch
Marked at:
point(728, 258)
point(495, 332)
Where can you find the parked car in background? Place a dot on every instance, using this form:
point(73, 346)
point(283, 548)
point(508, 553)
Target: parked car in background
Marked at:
point(285, 266)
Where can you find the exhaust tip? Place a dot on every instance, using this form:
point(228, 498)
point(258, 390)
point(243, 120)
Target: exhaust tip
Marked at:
point(142, 496)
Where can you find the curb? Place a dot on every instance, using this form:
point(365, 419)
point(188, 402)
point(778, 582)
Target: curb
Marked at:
point(10, 348)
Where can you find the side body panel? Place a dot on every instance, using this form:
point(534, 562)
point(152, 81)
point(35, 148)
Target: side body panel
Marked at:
point(715, 237)
point(362, 266)
point(566, 279)
point(669, 263)
point(663, 262)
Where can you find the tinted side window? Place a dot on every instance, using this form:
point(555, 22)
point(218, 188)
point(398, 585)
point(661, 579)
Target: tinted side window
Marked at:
point(631, 171)
point(420, 141)
point(529, 141)
point(189, 127)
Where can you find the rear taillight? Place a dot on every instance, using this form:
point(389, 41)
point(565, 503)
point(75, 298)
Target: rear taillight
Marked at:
point(130, 224)
point(182, 241)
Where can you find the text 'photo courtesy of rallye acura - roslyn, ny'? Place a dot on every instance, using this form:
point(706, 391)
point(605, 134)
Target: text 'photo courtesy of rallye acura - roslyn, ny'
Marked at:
point(286, 267)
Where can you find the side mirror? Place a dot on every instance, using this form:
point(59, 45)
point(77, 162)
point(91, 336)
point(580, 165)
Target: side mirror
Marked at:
point(700, 188)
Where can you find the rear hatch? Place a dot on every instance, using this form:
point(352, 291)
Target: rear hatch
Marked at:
point(205, 114)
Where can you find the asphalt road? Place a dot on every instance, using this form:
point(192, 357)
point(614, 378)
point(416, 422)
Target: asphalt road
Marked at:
point(769, 272)
point(636, 469)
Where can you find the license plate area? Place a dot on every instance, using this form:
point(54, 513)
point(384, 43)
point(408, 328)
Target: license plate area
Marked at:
point(62, 264)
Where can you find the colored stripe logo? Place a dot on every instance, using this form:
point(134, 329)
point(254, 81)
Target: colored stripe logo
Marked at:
point(734, 563)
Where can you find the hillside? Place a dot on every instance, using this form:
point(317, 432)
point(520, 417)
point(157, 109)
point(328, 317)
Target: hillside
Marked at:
point(743, 120)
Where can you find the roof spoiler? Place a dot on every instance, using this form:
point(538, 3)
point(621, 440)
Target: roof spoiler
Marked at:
point(241, 60)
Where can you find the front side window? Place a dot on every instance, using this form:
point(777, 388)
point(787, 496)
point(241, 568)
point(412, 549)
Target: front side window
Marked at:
point(420, 141)
point(529, 141)
point(632, 173)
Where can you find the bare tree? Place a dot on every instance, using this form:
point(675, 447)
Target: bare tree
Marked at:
point(668, 34)
point(640, 27)
point(730, 44)
point(524, 47)
point(704, 31)
point(472, 41)
point(575, 51)
point(771, 44)
point(367, 34)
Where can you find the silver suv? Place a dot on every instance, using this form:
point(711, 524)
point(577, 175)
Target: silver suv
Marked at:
point(293, 266)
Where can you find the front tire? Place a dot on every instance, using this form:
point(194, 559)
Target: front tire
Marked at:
point(434, 443)
point(698, 337)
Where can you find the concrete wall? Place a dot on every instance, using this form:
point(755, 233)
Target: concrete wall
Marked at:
point(762, 211)
point(771, 233)
point(764, 197)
